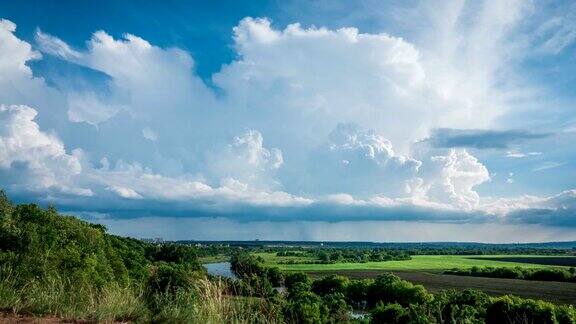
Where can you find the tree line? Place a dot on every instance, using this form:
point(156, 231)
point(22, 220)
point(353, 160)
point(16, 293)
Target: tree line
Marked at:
point(541, 274)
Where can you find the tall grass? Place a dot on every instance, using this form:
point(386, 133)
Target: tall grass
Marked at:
point(60, 297)
point(218, 307)
point(206, 302)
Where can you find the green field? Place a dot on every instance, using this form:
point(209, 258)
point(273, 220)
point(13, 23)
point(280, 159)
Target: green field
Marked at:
point(418, 262)
point(214, 258)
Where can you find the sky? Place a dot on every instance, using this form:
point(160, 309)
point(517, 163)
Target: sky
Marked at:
point(294, 120)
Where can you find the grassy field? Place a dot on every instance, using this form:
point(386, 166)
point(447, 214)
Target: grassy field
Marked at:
point(214, 258)
point(427, 270)
point(557, 292)
point(418, 262)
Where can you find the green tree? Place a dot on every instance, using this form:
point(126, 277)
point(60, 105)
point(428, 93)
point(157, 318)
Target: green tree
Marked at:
point(330, 284)
point(389, 314)
point(295, 277)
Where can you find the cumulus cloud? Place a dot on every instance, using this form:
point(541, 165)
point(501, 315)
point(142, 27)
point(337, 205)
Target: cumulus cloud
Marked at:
point(39, 159)
point(15, 54)
point(18, 85)
point(304, 123)
point(317, 78)
point(360, 161)
point(246, 159)
point(451, 179)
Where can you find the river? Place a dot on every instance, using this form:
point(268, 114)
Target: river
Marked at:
point(222, 269)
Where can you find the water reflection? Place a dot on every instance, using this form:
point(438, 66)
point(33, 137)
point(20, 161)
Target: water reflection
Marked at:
point(222, 269)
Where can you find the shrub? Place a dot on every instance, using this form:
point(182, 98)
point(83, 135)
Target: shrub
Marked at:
point(292, 278)
point(357, 292)
point(330, 284)
point(510, 309)
point(275, 276)
point(389, 314)
point(336, 309)
point(389, 288)
point(304, 307)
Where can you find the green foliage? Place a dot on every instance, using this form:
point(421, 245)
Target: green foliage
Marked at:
point(304, 306)
point(466, 306)
point(357, 292)
point(173, 253)
point(390, 314)
point(510, 309)
point(244, 264)
point(60, 265)
point(38, 243)
point(292, 278)
point(389, 288)
point(336, 308)
point(543, 274)
point(566, 314)
point(168, 278)
point(275, 276)
point(330, 284)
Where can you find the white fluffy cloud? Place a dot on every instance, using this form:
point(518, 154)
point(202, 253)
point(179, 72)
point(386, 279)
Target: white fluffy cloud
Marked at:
point(362, 162)
point(246, 159)
point(40, 154)
point(454, 177)
point(18, 85)
point(317, 78)
point(302, 117)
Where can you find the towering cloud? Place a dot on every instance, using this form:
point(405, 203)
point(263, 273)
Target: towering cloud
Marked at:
point(303, 123)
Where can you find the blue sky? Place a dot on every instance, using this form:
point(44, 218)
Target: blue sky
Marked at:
point(316, 120)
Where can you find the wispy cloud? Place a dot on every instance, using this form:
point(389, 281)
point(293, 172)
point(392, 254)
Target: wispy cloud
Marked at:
point(548, 165)
point(519, 155)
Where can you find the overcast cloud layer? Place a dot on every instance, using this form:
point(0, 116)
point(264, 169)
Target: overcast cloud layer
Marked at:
point(452, 130)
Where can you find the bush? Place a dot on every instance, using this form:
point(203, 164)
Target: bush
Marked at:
point(336, 308)
point(389, 288)
point(168, 278)
point(566, 314)
point(275, 276)
point(466, 306)
point(510, 309)
point(245, 265)
point(295, 277)
point(357, 292)
point(330, 284)
point(389, 314)
point(550, 275)
point(304, 307)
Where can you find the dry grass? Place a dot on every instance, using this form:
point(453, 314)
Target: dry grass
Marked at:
point(206, 302)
